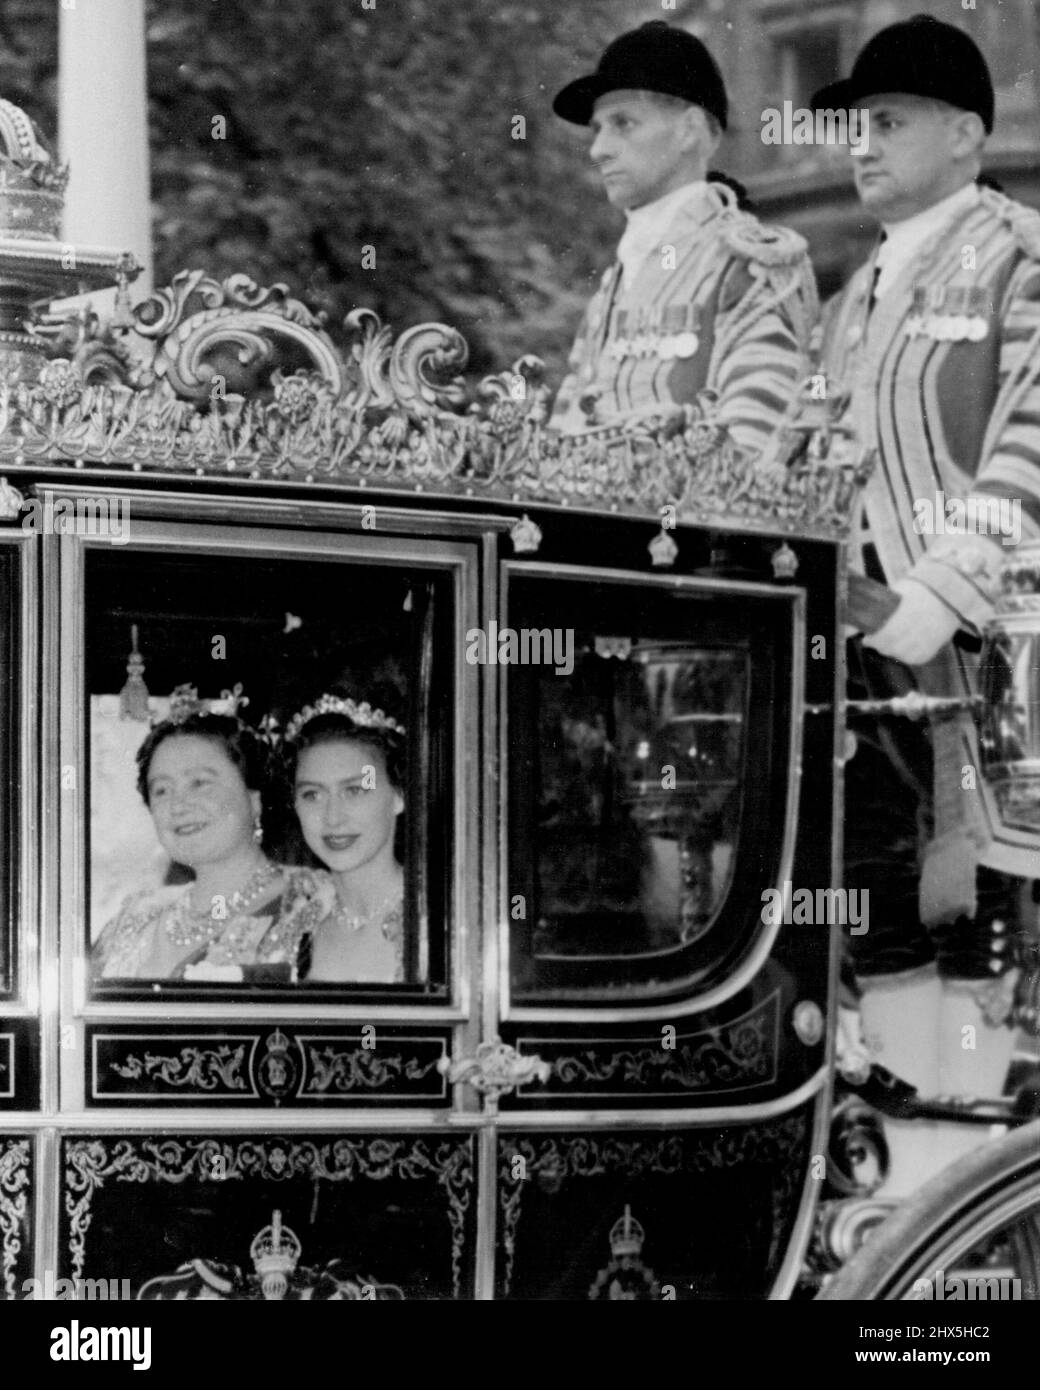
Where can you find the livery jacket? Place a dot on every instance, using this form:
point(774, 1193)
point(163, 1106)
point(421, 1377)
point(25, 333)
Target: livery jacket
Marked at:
point(944, 381)
point(725, 305)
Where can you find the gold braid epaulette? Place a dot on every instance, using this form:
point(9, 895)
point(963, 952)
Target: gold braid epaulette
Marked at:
point(1022, 221)
point(746, 236)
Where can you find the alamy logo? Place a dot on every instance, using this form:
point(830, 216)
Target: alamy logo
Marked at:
point(981, 516)
point(79, 1343)
point(799, 126)
point(822, 907)
point(967, 1287)
point(80, 516)
point(50, 1289)
point(526, 646)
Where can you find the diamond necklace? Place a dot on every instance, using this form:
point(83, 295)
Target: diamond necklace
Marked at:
point(188, 927)
point(354, 923)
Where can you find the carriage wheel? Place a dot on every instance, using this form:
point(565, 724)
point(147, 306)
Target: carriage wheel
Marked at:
point(979, 1215)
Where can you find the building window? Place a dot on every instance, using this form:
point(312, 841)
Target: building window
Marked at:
point(806, 60)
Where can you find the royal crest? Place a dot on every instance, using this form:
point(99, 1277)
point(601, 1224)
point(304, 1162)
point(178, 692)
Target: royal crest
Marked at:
point(277, 1277)
point(626, 1279)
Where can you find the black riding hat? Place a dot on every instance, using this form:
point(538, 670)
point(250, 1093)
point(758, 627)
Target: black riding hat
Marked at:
point(656, 57)
point(919, 57)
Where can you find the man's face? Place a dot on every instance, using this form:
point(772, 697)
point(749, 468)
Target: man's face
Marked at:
point(641, 149)
point(912, 158)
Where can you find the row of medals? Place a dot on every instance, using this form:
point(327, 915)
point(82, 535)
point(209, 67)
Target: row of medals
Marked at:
point(949, 313)
point(667, 334)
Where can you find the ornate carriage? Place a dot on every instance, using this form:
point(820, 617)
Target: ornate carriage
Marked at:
point(606, 1072)
point(617, 660)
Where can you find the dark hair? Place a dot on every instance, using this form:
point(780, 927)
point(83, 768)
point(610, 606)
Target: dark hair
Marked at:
point(248, 752)
point(340, 728)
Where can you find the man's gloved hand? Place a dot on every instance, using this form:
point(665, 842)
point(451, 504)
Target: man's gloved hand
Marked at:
point(918, 629)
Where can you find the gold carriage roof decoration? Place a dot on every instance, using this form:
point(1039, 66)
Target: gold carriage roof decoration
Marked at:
point(245, 382)
point(34, 264)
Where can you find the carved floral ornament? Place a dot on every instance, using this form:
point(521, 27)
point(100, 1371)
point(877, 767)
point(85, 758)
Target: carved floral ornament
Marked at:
point(245, 381)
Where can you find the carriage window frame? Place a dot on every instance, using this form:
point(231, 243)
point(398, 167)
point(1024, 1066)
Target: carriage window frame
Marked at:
point(19, 664)
point(456, 561)
point(677, 997)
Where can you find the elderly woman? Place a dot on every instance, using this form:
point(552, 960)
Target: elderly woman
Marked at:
point(203, 777)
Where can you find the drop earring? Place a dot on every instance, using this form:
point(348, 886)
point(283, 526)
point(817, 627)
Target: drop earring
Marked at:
point(258, 829)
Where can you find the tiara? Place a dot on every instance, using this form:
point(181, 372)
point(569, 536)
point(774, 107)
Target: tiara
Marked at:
point(185, 704)
point(363, 715)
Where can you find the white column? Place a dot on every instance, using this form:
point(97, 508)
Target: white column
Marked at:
point(103, 130)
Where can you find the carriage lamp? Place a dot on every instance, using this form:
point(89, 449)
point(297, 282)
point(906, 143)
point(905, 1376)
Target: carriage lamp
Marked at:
point(1010, 739)
point(1007, 709)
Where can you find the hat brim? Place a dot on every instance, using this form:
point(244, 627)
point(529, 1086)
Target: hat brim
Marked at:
point(838, 96)
point(576, 101)
point(843, 96)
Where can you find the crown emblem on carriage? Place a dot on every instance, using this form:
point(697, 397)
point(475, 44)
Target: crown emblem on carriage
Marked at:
point(626, 1237)
point(278, 1276)
point(275, 1253)
point(626, 1278)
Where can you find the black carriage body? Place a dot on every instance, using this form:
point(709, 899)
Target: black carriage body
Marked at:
point(605, 1074)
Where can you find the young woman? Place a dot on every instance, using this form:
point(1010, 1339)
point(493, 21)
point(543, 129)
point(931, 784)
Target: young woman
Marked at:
point(346, 765)
point(204, 777)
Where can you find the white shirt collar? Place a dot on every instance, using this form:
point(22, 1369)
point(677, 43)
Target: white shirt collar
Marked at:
point(648, 226)
point(903, 239)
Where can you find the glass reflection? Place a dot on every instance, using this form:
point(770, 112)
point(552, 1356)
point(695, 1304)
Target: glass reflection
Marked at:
point(639, 755)
point(683, 782)
point(1010, 738)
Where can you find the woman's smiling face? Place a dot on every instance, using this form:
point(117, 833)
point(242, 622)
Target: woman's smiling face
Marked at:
point(346, 804)
point(202, 809)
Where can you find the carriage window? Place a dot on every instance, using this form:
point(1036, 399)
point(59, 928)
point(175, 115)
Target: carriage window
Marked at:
point(9, 667)
point(647, 776)
point(267, 790)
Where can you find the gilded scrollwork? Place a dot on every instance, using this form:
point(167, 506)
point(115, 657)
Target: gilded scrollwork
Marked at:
point(245, 380)
point(357, 1069)
point(840, 1229)
point(495, 1070)
point(741, 1054)
point(196, 1068)
point(240, 323)
point(11, 500)
point(262, 1064)
point(15, 1158)
point(90, 1163)
point(94, 354)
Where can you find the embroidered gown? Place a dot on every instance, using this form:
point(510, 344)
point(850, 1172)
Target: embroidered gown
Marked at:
point(373, 955)
point(147, 941)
